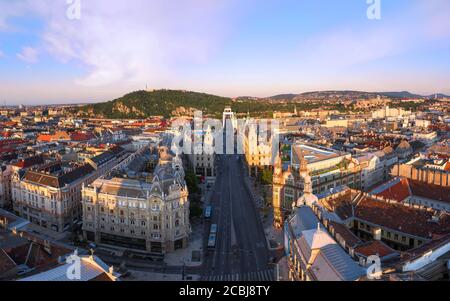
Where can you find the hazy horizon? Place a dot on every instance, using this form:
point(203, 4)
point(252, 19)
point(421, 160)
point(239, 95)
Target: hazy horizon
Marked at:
point(74, 102)
point(226, 47)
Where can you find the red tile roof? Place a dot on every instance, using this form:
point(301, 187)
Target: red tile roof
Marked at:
point(430, 191)
point(10, 145)
point(30, 161)
point(398, 192)
point(79, 136)
point(33, 253)
point(44, 138)
point(6, 263)
point(401, 218)
point(5, 134)
point(341, 205)
point(8, 123)
point(347, 235)
point(407, 187)
point(58, 181)
point(374, 247)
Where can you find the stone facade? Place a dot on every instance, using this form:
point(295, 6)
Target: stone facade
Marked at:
point(50, 196)
point(5, 185)
point(288, 185)
point(431, 176)
point(151, 217)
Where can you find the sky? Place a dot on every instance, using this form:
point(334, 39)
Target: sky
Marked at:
point(51, 54)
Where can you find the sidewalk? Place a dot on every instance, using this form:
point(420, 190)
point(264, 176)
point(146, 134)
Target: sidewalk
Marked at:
point(46, 233)
point(283, 269)
point(187, 256)
point(274, 236)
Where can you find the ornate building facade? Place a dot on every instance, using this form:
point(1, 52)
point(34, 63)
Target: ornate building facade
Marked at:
point(50, 196)
point(148, 216)
point(289, 185)
point(258, 153)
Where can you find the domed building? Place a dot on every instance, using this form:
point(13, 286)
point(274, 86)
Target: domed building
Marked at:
point(404, 150)
point(292, 188)
point(308, 198)
point(150, 215)
point(388, 150)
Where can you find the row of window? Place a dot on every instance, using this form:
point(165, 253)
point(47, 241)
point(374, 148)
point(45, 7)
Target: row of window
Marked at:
point(142, 223)
point(387, 234)
point(136, 205)
point(132, 232)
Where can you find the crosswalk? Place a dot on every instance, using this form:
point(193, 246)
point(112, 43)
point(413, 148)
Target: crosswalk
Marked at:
point(267, 275)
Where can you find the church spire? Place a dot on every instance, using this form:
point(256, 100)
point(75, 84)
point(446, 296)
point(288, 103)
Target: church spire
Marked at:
point(308, 198)
point(277, 164)
point(304, 173)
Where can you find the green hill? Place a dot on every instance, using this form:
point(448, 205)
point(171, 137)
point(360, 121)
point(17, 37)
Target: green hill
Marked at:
point(141, 104)
point(168, 103)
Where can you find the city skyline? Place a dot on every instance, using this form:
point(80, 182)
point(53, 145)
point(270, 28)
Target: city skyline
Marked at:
point(227, 48)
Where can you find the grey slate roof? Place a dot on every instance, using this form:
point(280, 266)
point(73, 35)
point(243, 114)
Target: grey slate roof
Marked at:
point(303, 220)
point(342, 263)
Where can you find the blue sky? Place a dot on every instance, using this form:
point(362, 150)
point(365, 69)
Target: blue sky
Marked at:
point(225, 47)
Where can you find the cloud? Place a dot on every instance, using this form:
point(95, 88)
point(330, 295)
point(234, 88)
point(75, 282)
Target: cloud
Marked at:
point(121, 45)
point(28, 55)
point(10, 9)
point(135, 41)
point(2, 55)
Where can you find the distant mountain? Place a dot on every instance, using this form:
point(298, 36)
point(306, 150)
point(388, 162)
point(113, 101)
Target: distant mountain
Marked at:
point(406, 94)
point(347, 94)
point(321, 95)
point(403, 94)
point(284, 96)
point(439, 95)
point(167, 103)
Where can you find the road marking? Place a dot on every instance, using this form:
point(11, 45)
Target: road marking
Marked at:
point(243, 277)
point(269, 275)
point(266, 276)
point(261, 276)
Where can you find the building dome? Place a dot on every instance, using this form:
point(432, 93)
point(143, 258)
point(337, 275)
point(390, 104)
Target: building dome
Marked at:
point(318, 238)
point(404, 146)
point(164, 155)
point(388, 150)
point(307, 199)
